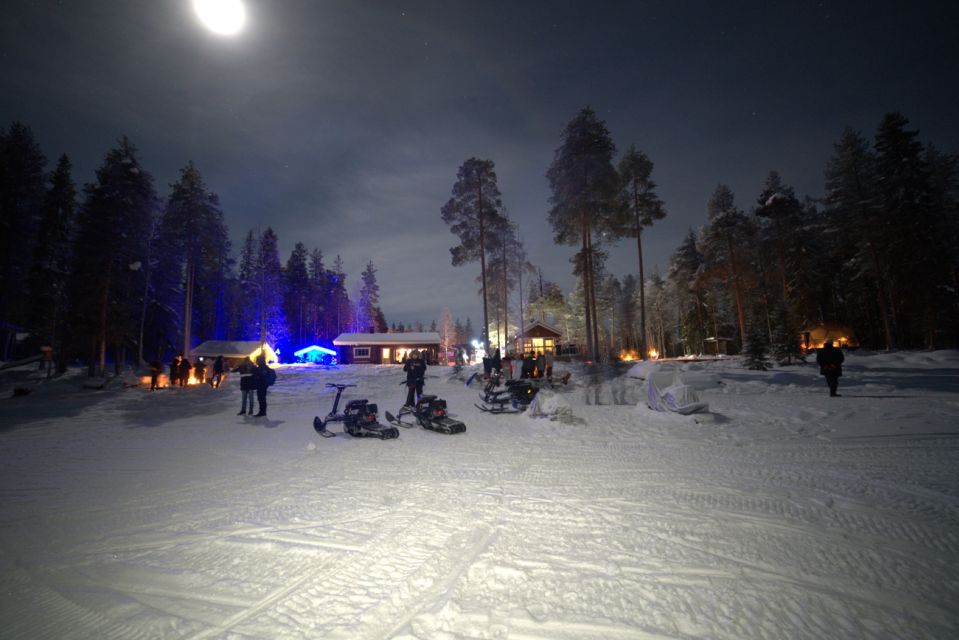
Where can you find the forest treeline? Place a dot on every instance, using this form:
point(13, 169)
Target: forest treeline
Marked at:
point(877, 252)
point(112, 273)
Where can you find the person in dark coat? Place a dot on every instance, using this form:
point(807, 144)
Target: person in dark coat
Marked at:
point(830, 360)
point(415, 368)
point(540, 365)
point(199, 371)
point(155, 370)
point(496, 363)
point(529, 365)
point(262, 383)
point(175, 371)
point(217, 372)
point(247, 385)
point(184, 371)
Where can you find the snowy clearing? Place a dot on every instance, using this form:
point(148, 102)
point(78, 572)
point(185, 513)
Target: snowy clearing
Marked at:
point(783, 513)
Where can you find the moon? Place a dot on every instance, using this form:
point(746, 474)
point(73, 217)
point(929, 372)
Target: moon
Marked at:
point(223, 17)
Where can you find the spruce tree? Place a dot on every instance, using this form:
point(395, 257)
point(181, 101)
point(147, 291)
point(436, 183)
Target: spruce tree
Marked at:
point(248, 291)
point(755, 354)
point(297, 293)
point(22, 194)
point(269, 274)
point(723, 246)
point(193, 261)
point(369, 298)
point(51, 256)
point(113, 229)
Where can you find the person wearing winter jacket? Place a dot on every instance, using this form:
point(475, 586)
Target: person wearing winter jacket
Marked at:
point(415, 368)
point(830, 360)
point(247, 385)
point(184, 371)
point(217, 372)
point(261, 377)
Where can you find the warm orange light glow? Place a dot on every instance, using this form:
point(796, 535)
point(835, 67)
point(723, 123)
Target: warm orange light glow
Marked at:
point(653, 354)
point(628, 355)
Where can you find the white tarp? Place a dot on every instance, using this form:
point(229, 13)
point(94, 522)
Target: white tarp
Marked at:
point(666, 391)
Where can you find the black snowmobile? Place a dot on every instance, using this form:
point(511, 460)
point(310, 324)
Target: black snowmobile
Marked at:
point(513, 398)
point(359, 418)
point(430, 413)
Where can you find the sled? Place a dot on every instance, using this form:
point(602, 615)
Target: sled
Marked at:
point(358, 418)
point(430, 413)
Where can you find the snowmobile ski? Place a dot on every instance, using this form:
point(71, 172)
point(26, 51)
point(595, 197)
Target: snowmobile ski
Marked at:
point(321, 429)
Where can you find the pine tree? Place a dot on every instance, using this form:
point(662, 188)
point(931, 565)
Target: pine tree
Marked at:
point(853, 214)
point(473, 212)
point(51, 256)
point(722, 244)
point(194, 246)
point(640, 208)
point(113, 228)
point(905, 191)
point(757, 347)
point(248, 291)
point(684, 267)
point(269, 273)
point(369, 298)
point(22, 194)
point(318, 296)
point(583, 202)
point(297, 293)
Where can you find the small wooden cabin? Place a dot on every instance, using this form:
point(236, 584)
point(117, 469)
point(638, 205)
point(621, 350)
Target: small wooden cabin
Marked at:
point(386, 348)
point(538, 337)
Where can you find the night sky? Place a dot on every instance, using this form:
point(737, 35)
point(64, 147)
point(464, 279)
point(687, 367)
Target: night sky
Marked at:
point(342, 124)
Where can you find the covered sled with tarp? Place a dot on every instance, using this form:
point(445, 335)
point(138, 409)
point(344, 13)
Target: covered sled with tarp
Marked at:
point(666, 391)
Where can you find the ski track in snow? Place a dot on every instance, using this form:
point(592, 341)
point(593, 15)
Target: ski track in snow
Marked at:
point(781, 514)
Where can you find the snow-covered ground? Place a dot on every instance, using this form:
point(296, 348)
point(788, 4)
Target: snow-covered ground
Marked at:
point(783, 513)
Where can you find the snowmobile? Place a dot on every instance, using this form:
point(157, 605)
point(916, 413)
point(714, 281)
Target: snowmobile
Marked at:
point(358, 418)
point(430, 413)
point(515, 398)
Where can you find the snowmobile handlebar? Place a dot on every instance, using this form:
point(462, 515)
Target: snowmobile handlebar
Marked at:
point(339, 386)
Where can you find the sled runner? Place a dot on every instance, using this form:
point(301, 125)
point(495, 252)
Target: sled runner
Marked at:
point(358, 418)
point(430, 413)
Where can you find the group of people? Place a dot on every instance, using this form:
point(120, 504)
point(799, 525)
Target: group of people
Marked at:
point(180, 369)
point(530, 365)
point(254, 377)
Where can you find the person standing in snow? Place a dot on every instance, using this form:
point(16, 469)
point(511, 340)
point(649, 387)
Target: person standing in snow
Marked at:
point(175, 371)
point(183, 372)
point(262, 380)
point(247, 385)
point(155, 369)
point(830, 360)
point(217, 372)
point(415, 368)
point(548, 359)
point(199, 371)
point(496, 363)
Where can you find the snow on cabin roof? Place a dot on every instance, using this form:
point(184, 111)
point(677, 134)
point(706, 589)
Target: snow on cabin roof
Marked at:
point(542, 325)
point(226, 348)
point(354, 339)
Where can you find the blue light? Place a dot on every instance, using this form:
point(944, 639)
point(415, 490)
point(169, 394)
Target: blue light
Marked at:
point(302, 353)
